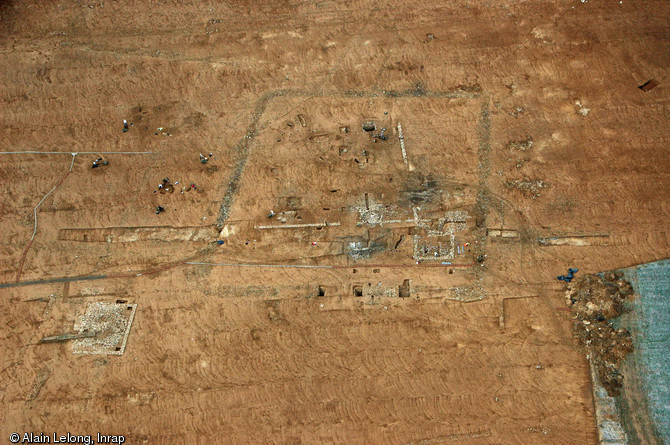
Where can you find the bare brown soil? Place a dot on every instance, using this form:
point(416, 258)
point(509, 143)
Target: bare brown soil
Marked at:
point(369, 290)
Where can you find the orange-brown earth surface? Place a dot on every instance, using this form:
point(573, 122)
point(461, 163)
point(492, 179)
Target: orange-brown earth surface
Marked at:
point(527, 143)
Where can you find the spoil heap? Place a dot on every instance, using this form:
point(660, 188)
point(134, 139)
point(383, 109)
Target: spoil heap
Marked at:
point(596, 300)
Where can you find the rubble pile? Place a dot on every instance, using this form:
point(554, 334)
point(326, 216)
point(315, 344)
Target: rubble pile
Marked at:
point(531, 188)
point(595, 300)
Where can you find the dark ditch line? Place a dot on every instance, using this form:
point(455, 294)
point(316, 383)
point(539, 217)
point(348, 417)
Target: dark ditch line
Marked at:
point(484, 171)
point(53, 280)
point(154, 271)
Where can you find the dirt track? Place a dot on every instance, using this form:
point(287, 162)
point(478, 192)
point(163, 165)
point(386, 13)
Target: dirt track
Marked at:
point(521, 122)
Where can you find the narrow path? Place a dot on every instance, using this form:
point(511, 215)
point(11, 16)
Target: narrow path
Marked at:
point(32, 238)
point(74, 156)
